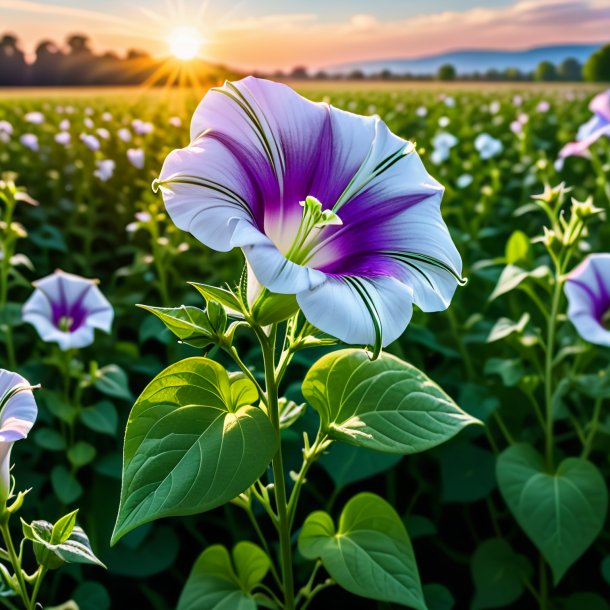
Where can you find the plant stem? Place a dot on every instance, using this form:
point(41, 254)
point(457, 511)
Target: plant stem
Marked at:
point(41, 574)
point(588, 444)
point(271, 387)
point(15, 561)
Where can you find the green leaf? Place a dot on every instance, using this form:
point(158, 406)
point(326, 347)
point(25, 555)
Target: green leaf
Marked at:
point(582, 601)
point(49, 439)
point(92, 595)
point(347, 464)
point(189, 324)
point(499, 574)
point(81, 453)
point(216, 583)
point(562, 512)
point(505, 327)
point(65, 485)
point(102, 418)
point(112, 380)
point(605, 567)
point(191, 444)
point(63, 528)
point(512, 277)
point(438, 597)
point(384, 404)
point(517, 248)
point(220, 295)
point(369, 555)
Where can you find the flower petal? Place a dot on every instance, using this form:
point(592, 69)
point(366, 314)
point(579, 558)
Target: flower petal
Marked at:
point(20, 411)
point(337, 308)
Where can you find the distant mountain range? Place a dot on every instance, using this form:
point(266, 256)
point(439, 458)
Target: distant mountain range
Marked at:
point(467, 62)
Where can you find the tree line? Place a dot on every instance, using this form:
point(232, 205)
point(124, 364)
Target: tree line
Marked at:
point(77, 64)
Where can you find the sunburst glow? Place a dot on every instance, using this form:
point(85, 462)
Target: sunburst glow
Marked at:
point(185, 42)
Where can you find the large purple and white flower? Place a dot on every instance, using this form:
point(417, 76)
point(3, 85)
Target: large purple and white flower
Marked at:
point(588, 293)
point(591, 131)
point(18, 413)
point(66, 309)
point(326, 205)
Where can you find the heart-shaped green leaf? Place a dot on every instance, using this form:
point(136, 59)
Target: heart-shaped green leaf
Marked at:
point(561, 512)
point(384, 404)
point(217, 583)
point(369, 555)
point(191, 444)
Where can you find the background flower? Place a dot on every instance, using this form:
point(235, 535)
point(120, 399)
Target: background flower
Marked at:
point(66, 309)
point(18, 413)
point(588, 293)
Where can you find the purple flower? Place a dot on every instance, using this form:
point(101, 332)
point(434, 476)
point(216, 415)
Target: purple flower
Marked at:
point(17, 416)
point(326, 205)
point(136, 157)
point(591, 131)
point(588, 293)
point(66, 309)
point(29, 140)
point(487, 146)
point(105, 169)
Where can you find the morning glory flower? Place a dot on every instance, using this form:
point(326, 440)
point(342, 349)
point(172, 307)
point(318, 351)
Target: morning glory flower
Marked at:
point(63, 138)
point(124, 134)
point(487, 146)
point(90, 141)
point(105, 169)
point(326, 205)
point(18, 413)
point(88, 123)
point(142, 128)
point(442, 144)
point(136, 157)
point(103, 133)
point(36, 118)
point(66, 309)
point(29, 140)
point(588, 293)
point(64, 125)
point(591, 131)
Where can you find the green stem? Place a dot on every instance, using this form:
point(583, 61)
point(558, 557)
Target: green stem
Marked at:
point(41, 574)
point(231, 351)
point(263, 541)
point(544, 586)
point(271, 386)
point(588, 445)
point(15, 561)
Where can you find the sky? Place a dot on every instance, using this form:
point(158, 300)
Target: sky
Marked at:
point(280, 34)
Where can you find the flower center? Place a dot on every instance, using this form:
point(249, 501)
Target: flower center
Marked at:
point(314, 219)
point(65, 323)
point(606, 320)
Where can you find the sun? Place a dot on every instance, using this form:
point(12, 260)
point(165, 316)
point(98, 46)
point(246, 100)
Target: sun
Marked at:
point(185, 42)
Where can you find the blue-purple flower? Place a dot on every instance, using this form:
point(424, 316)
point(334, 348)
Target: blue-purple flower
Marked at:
point(326, 205)
point(66, 309)
point(17, 416)
point(588, 293)
point(591, 131)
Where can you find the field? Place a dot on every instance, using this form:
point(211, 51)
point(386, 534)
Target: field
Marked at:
point(505, 350)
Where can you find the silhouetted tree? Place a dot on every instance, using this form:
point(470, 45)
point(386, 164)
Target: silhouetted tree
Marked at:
point(12, 61)
point(47, 68)
point(597, 67)
point(570, 69)
point(356, 75)
point(546, 71)
point(446, 72)
point(299, 72)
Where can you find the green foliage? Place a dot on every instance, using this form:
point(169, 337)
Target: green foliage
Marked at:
point(191, 426)
point(446, 72)
point(369, 553)
point(384, 404)
point(597, 67)
point(545, 503)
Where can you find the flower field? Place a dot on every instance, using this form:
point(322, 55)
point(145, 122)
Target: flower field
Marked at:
point(495, 498)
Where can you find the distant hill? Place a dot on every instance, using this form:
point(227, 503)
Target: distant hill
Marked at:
point(467, 62)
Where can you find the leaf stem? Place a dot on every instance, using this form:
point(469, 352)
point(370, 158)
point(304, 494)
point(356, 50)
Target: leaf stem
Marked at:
point(15, 561)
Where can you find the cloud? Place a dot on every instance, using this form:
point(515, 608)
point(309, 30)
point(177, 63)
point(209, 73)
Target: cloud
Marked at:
point(25, 6)
point(317, 43)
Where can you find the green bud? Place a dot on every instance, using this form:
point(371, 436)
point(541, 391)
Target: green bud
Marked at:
point(584, 210)
point(270, 308)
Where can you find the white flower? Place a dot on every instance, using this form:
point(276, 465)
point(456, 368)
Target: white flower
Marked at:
point(64, 125)
point(103, 133)
point(494, 107)
point(29, 140)
point(105, 169)
point(66, 309)
point(443, 142)
point(517, 100)
point(89, 111)
point(6, 127)
point(136, 157)
point(106, 117)
point(175, 121)
point(487, 146)
point(516, 127)
point(421, 112)
point(124, 134)
point(63, 138)
point(88, 123)
point(36, 118)
point(142, 128)
point(444, 121)
point(543, 106)
point(464, 181)
point(91, 142)
point(449, 102)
